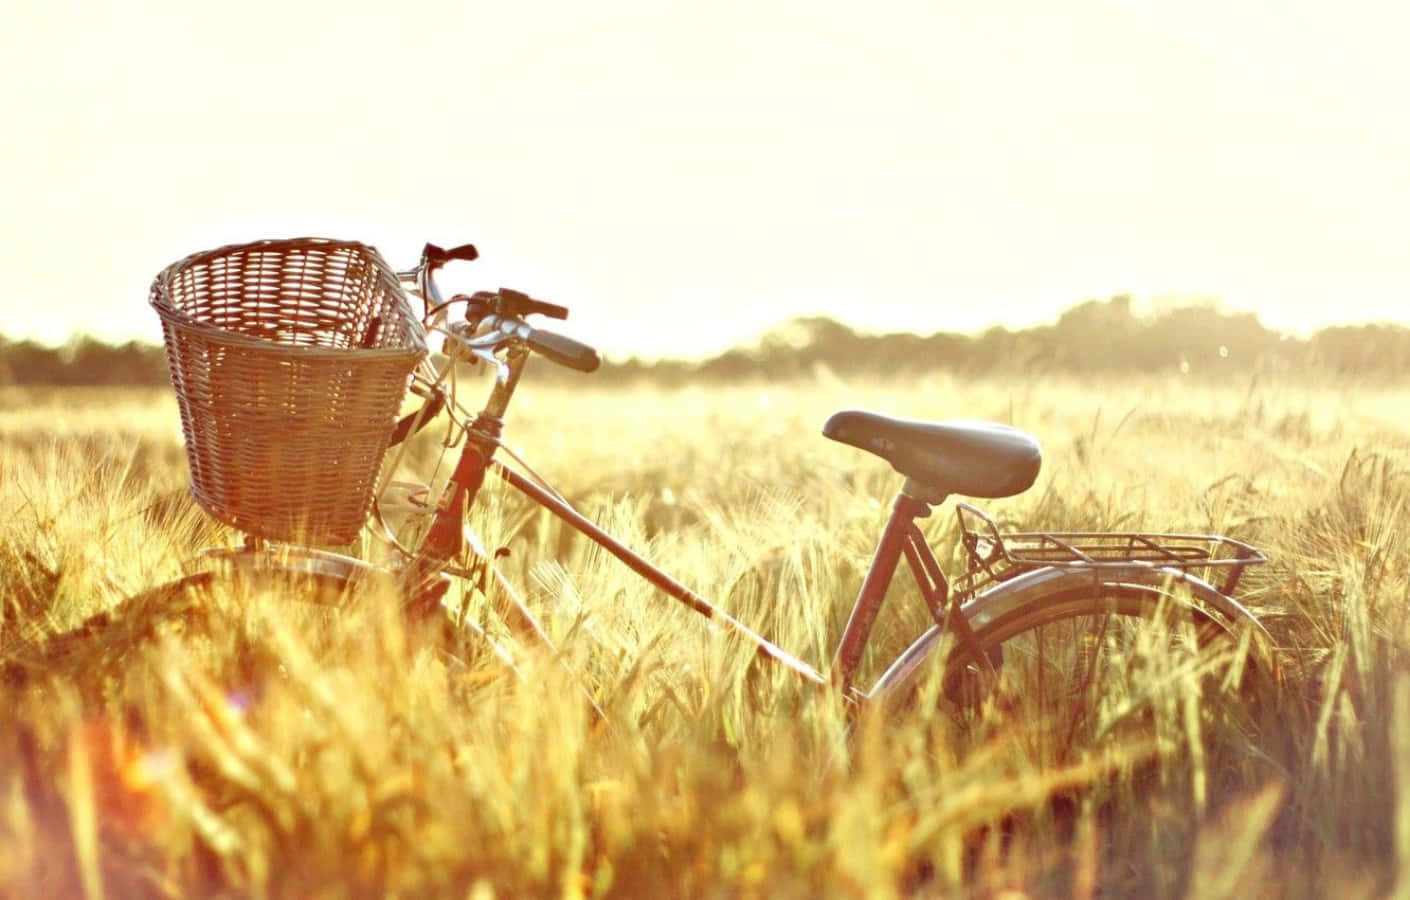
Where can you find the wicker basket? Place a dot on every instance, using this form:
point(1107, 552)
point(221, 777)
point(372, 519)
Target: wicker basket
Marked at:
point(290, 359)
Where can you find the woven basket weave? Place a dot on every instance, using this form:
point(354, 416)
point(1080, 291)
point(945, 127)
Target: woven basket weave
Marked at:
point(290, 359)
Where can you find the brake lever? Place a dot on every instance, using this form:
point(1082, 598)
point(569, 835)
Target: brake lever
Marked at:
point(473, 348)
point(518, 304)
point(501, 369)
point(477, 305)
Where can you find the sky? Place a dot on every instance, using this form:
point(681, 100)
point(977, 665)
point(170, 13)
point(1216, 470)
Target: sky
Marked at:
point(685, 175)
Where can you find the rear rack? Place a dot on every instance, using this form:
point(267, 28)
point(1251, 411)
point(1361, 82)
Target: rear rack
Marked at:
point(994, 556)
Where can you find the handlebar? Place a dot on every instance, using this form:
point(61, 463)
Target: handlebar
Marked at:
point(480, 337)
point(493, 319)
point(557, 347)
point(501, 311)
point(437, 257)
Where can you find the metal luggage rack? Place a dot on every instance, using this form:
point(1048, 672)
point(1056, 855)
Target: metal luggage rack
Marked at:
point(995, 556)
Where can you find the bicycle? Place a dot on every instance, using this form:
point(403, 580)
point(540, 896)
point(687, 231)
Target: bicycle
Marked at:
point(1029, 610)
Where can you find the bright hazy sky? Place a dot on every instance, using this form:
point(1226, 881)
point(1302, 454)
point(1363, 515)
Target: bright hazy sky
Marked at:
point(684, 175)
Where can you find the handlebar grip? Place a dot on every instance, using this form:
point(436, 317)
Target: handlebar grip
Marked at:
point(438, 256)
point(563, 350)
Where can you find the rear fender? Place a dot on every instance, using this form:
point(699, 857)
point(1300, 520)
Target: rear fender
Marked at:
point(1176, 586)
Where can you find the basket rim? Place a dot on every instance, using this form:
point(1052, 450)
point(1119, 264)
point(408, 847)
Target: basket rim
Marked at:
point(160, 300)
point(215, 333)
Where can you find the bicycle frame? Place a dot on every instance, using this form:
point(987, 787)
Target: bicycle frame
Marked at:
point(445, 541)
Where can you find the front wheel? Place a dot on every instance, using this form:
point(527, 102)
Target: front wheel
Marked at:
point(205, 604)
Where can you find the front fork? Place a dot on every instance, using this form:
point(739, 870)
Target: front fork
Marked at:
point(445, 539)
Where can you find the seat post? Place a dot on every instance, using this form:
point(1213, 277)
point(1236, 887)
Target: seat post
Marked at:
point(928, 495)
point(913, 502)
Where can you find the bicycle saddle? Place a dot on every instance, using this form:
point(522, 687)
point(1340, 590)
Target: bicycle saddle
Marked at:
point(976, 459)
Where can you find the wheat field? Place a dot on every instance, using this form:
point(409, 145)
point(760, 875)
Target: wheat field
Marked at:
point(261, 746)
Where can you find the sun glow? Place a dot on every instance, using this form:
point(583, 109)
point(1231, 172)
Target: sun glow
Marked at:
point(685, 178)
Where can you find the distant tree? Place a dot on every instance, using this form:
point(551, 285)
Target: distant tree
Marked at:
point(1363, 349)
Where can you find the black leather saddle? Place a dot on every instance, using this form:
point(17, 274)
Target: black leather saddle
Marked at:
point(975, 459)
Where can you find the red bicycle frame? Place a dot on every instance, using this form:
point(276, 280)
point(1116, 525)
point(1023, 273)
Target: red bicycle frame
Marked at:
point(445, 541)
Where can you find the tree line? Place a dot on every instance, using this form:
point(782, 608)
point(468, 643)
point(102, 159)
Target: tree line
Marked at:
point(1097, 336)
point(1094, 337)
point(82, 361)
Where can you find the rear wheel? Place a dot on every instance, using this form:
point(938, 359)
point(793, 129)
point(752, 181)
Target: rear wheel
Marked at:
point(1113, 663)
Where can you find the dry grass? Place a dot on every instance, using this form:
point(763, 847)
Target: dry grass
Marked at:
point(260, 747)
